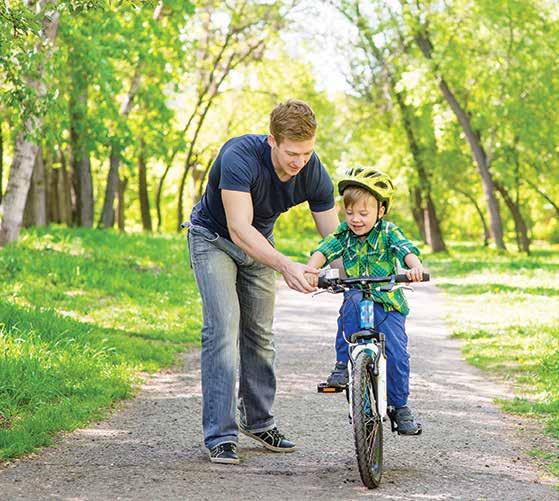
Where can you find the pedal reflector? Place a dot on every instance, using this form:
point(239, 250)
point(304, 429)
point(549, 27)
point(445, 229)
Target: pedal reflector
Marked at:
point(326, 388)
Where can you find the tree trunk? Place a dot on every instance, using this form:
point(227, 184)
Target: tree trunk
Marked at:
point(486, 234)
point(1, 162)
point(474, 140)
point(108, 213)
point(143, 191)
point(201, 181)
point(35, 212)
point(26, 147)
point(417, 212)
point(120, 206)
point(81, 165)
point(433, 227)
point(68, 202)
point(520, 226)
point(54, 202)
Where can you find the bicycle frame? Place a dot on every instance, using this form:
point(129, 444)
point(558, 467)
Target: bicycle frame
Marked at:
point(376, 349)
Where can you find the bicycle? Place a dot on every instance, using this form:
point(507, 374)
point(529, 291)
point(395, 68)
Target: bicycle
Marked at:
point(366, 389)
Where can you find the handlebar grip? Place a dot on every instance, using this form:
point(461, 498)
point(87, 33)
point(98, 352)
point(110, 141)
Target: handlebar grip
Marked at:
point(403, 278)
point(323, 282)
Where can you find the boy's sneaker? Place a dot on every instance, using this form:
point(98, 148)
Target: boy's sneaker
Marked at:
point(403, 421)
point(272, 440)
point(225, 453)
point(340, 376)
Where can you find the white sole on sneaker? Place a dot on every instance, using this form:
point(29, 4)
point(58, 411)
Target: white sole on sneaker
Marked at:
point(272, 448)
point(224, 460)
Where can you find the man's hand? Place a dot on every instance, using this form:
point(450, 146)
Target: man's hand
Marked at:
point(295, 276)
point(312, 279)
point(415, 274)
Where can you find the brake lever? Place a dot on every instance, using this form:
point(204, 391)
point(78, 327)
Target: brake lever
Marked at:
point(392, 288)
point(332, 289)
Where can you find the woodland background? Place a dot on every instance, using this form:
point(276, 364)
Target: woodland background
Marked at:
point(112, 112)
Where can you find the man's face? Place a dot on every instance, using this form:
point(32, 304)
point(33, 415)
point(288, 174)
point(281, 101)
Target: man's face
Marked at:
point(289, 157)
point(362, 215)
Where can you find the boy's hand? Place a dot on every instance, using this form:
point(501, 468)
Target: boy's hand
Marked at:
point(415, 274)
point(312, 279)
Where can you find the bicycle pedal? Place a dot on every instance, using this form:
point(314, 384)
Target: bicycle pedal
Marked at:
point(326, 388)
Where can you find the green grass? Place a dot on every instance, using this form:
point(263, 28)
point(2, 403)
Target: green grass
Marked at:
point(505, 307)
point(82, 313)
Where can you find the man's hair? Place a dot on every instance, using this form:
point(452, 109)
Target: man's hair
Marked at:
point(354, 194)
point(294, 120)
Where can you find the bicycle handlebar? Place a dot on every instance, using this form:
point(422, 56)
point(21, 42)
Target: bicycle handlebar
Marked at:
point(325, 283)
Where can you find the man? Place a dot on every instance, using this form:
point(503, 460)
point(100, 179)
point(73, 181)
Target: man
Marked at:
point(252, 181)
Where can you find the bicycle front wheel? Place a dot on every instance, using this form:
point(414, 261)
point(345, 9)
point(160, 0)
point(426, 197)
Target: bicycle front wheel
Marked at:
point(367, 424)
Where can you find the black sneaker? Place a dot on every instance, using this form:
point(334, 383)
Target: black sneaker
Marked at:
point(272, 440)
point(225, 453)
point(339, 377)
point(403, 421)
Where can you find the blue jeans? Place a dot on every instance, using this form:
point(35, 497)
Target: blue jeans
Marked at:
point(238, 297)
point(393, 325)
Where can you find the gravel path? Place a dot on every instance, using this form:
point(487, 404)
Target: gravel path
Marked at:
point(152, 448)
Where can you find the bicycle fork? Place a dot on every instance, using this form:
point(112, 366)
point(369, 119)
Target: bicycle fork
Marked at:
point(375, 349)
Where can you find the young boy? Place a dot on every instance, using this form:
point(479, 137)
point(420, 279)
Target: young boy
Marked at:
point(369, 245)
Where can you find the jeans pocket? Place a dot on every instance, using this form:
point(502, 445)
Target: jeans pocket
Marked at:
point(205, 233)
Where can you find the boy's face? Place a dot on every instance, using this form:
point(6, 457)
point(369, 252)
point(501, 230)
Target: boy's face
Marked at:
point(362, 215)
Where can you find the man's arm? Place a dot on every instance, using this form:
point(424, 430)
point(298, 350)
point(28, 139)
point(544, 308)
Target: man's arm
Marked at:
point(239, 213)
point(326, 222)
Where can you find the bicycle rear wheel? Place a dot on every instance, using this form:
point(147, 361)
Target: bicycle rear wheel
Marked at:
point(367, 424)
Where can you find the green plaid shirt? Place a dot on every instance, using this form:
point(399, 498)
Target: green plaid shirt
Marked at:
point(376, 255)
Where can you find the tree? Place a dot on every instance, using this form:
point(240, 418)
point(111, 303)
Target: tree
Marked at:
point(26, 146)
point(385, 74)
point(423, 39)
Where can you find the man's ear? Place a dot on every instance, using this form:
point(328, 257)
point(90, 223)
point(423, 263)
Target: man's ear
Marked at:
point(272, 140)
point(381, 211)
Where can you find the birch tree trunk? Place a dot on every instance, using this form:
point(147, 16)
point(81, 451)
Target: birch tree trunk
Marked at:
point(26, 148)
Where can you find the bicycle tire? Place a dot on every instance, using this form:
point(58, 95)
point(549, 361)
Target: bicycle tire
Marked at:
point(367, 424)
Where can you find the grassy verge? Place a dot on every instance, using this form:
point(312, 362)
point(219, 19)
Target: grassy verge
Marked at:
point(81, 313)
point(506, 310)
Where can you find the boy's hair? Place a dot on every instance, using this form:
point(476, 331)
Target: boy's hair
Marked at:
point(354, 194)
point(294, 120)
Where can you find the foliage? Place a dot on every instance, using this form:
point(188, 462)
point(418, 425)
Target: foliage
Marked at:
point(498, 57)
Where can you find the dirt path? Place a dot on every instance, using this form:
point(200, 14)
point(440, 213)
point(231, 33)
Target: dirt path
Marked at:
point(153, 449)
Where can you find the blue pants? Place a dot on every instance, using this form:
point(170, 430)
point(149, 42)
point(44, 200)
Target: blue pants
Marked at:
point(393, 325)
point(238, 306)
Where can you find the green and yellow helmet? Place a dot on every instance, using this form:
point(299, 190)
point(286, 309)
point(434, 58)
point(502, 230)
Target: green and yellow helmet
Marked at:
point(371, 179)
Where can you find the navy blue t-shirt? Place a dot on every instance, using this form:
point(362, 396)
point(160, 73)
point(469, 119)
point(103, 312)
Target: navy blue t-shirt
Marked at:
point(245, 164)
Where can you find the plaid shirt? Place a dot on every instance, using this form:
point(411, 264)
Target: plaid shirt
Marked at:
point(376, 255)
